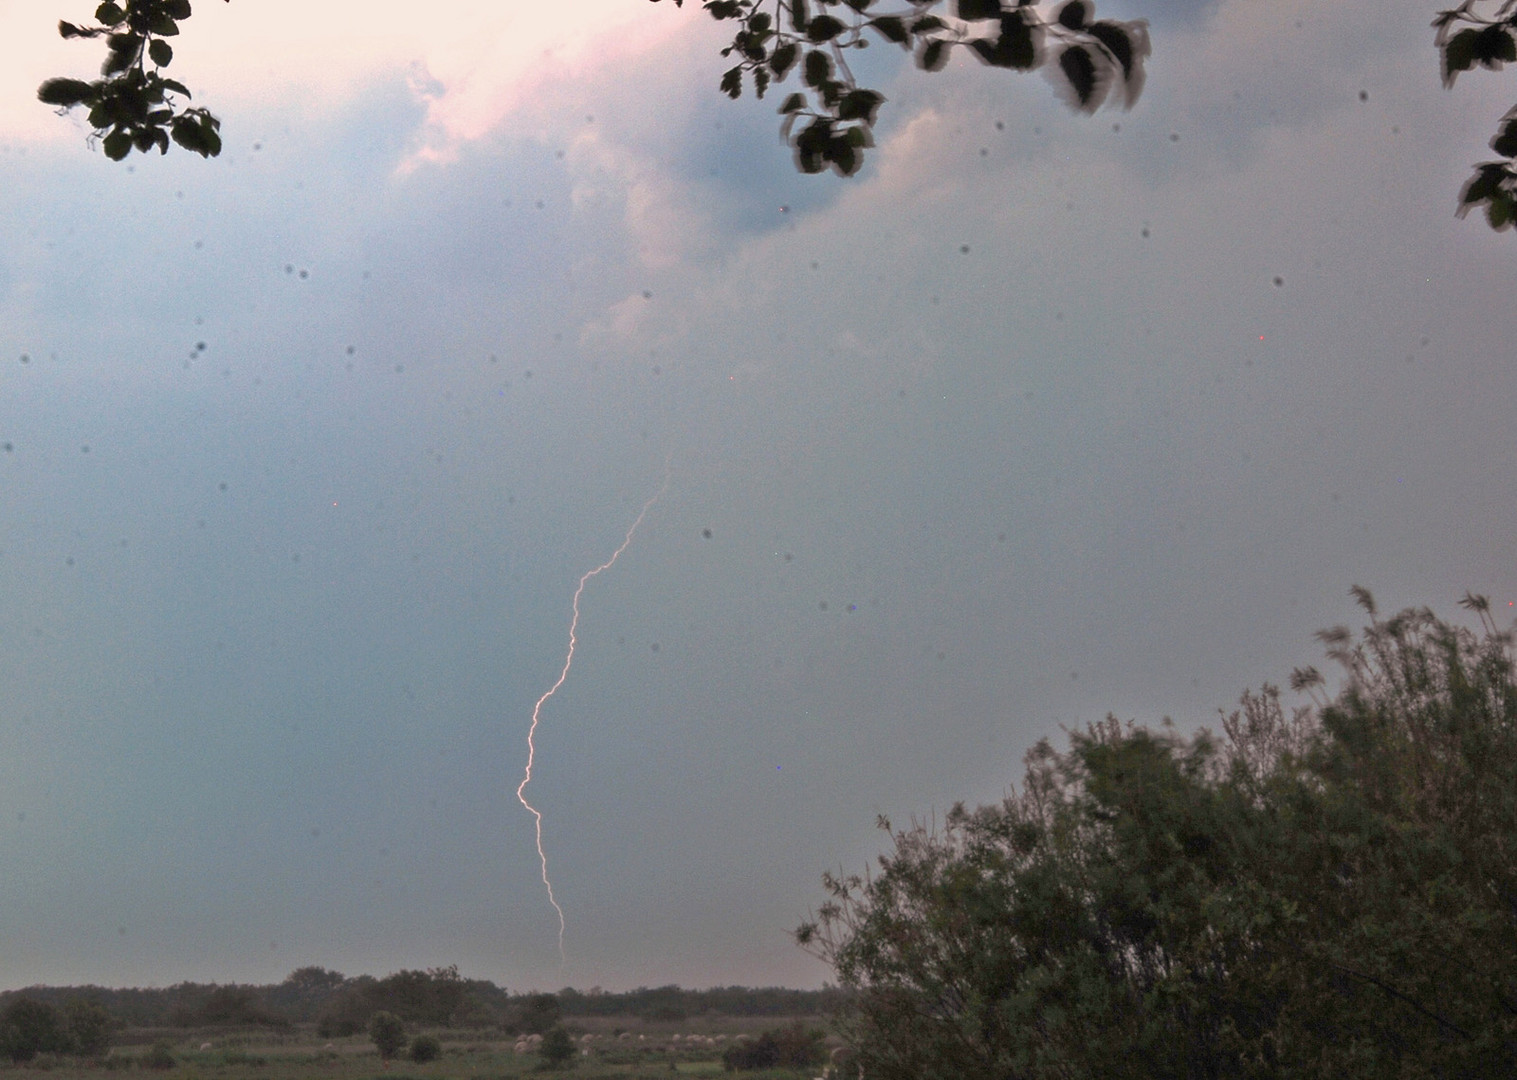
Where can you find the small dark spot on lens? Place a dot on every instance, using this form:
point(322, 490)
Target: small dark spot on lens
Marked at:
point(647, 294)
point(9, 447)
point(222, 485)
point(305, 274)
point(1146, 233)
point(1174, 136)
point(706, 533)
point(1364, 95)
point(351, 350)
point(1000, 126)
point(288, 269)
point(824, 605)
point(1279, 281)
point(85, 449)
point(963, 249)
point(655, 646)
point(68, 561)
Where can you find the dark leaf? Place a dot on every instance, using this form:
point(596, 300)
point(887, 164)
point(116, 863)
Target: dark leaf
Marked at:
point(732, 82)
point(1505, 142)
point(824, 28)
point(1074, 15)
point(934, 56)
point(122, 54)
point(1114, 37)
point(1080, 70)
point(760, 82)
point(117, 145)
point(160, 52)
point(798, 15)
point(860, 105)
point(1459, 55)
point(758, 22)
point(818, 67)
point(783, 58)
point(891, 28)
point(177, 9)
point(792, 104)
point(926, 24)
point(110, 14)
point(978, 9)
point(65, 93)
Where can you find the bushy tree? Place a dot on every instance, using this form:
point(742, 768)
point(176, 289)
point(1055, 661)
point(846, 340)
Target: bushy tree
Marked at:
point(29, 1027)
point(1326, 892)
point(531, 1014)
point(425, 1048)
point(793, 1047)
point(388, 1033)
point(88, 1027)
point(557, 1047)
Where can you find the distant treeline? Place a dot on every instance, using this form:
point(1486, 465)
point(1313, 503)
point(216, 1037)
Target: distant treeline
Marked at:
point(339, 1005)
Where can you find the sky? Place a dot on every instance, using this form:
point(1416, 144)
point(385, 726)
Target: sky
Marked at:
point(1041, 417)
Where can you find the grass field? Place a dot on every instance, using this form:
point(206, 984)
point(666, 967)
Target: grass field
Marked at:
point(610, 1048)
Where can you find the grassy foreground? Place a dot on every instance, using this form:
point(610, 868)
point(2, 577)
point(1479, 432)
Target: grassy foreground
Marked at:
point(610, 1048)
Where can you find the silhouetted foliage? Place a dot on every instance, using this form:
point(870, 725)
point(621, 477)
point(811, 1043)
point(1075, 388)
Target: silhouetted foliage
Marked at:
point(793, 1047)
point(1483, 33)
point(1329, 893)
point(388, 1034)
point(830, 121)
point(557, 1047)
point(132, 105)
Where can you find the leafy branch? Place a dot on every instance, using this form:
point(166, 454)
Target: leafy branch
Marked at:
point(132, 106)
point(1480, 33)
point(830, 123)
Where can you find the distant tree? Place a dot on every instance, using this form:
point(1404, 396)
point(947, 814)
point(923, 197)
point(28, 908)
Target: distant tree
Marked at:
point(314, 979)
point(425, 1048)
point(87, 1026)
point(388, 1033)
point(793, 1047)
point(531, 1014)
point(557, 1047)
point(1331, 892)
point(29, 1027)
point(159, 1056)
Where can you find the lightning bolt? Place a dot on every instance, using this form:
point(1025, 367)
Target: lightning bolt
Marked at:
point(537, 709)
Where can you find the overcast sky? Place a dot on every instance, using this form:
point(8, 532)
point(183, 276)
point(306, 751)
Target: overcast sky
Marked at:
point(1040, 417)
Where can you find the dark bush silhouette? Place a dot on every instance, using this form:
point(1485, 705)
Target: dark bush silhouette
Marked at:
point(793, 1047)
point(531, 1014)
point(88, 1027)
point(425, 1048)
point(388, 1033)
point(557, 1047)
point(29, 1027)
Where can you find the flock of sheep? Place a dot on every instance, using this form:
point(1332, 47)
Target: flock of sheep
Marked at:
point(529, 1043)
